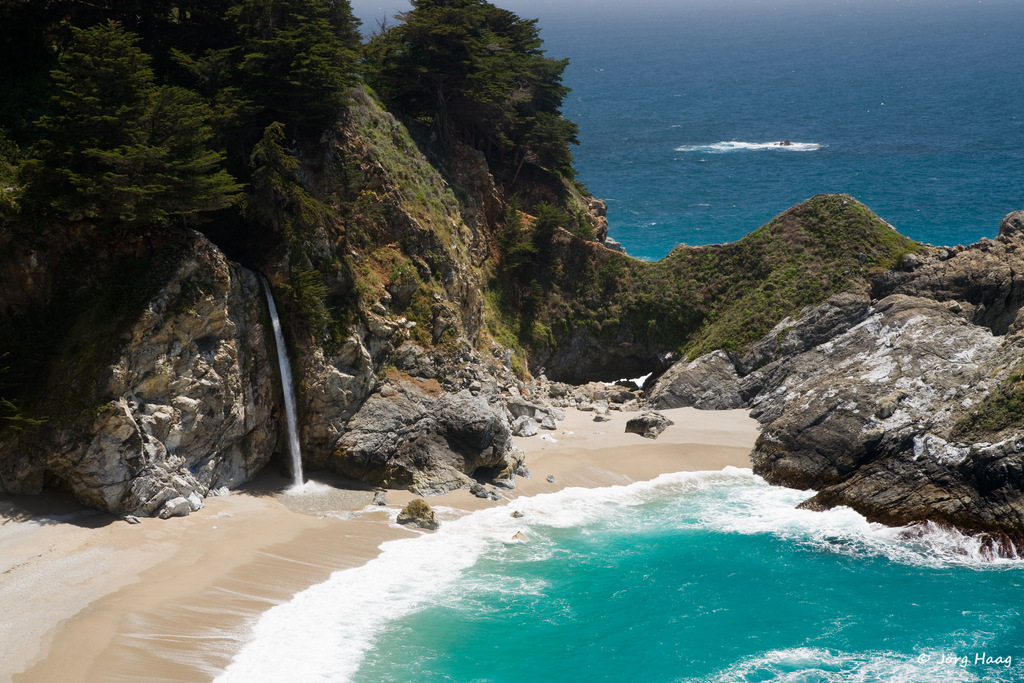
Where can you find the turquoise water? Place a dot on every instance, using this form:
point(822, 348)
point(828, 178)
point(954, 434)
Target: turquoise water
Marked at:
point(692, 577)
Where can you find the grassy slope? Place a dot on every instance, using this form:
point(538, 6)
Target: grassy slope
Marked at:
point(698, 299)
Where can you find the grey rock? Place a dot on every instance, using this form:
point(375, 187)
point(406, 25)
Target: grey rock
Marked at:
point(524, 426)
point(479, 490)
point(517, 514)
point(132, 519)
point(548, 423)
point(175, 507)
point(867, 420)
point(649, 424)
point(380, 497)
point(195, 501)
point(602, 418)
point(430, 444)
point(614, 245)
point(709, 382)
point(191, 402)
point(551, 479)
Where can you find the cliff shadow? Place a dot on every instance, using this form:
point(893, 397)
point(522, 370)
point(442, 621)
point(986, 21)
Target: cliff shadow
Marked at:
point(52, 506)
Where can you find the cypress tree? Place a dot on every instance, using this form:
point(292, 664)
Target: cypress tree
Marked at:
point(296, 58)
point(118, 148)
point(474, 73)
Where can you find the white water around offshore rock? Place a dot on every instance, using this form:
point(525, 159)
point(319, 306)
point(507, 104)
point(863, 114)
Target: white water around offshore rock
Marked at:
point(738, 146)
point(288, 386)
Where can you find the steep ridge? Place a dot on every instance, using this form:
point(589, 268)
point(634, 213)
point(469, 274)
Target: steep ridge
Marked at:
point(611, 316)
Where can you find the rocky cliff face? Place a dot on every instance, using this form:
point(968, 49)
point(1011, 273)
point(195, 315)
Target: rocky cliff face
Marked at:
point(177, 394)
point(185, 404)
point(896, 407)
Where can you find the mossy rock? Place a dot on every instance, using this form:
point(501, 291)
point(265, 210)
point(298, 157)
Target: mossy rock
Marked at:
point(419, 513)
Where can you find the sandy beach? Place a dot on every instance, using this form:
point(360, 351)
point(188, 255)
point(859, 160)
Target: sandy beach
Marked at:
point(85, 596)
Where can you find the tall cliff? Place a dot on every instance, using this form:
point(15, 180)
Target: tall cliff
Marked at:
point(136, 362)
point(143, 364)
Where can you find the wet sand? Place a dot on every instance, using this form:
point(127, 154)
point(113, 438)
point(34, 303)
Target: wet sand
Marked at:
point(87, 597)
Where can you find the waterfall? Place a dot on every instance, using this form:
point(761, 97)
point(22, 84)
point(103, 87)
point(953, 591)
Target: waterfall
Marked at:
point(287, 385)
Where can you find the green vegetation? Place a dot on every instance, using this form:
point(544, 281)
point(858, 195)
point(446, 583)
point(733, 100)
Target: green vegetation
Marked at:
point(1001, 410)
point(698, 299)
point(117, 147)
point(296, 59)
point(472, 73)
point(10, 189)
point(276, 197)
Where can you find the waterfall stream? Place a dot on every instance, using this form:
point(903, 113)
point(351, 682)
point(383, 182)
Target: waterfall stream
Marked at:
point(287, 385)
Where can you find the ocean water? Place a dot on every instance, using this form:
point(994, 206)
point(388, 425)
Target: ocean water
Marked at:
point(708, 576)
point(911, 107)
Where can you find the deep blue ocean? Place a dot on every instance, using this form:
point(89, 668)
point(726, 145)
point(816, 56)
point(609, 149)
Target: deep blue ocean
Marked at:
point(912, 107)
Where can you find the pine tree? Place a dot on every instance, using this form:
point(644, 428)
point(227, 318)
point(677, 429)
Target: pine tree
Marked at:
point(118, 148)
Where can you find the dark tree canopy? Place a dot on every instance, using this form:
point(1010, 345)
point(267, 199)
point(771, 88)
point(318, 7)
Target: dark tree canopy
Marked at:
point(295, 59)
point(119, 148)
point(276, 197)
point(475, 73)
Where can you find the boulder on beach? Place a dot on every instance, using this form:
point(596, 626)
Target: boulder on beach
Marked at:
point(648, 424)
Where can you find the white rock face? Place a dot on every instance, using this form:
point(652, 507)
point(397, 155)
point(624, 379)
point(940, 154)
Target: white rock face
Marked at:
point(189, 404)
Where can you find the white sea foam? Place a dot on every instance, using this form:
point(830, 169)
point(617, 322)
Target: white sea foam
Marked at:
point(826, 666)
point(323, 633)
point(308, 487)
point(759, 509)
point(737, 146)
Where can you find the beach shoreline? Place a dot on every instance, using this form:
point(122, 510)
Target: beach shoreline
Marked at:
point(88, 597)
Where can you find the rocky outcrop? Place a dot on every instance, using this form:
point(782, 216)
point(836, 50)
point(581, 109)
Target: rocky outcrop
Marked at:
point(886, 406)
point(187, 404)
point(412, 434)
point(419, 513)
point(709, 382)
